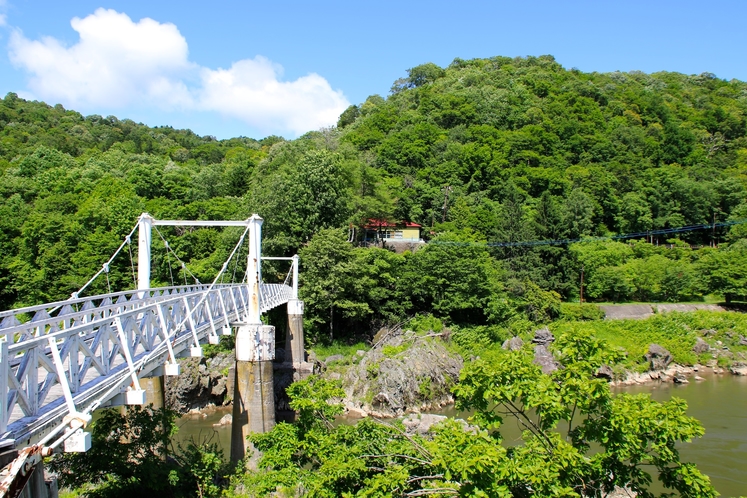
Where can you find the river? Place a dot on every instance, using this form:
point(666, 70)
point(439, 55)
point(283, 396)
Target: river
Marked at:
point(719, 402)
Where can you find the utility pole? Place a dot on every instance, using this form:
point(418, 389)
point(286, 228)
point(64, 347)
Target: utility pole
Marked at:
point(447, 191)
point(713, 234)
point(581, 300)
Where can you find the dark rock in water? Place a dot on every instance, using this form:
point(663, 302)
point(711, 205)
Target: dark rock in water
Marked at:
point(679, 378)
point(513, 344)
point(605, 372)
point(742, 340)
point(658, 357)
point(700, 346)
point(543, 337)
point(544, 358)
point(226, 419)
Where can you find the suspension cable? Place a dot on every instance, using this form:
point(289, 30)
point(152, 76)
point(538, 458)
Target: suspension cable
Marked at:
point(132, 260)
point(157, 350)
point(105, 267)
point(183, 264)
point(168, 259)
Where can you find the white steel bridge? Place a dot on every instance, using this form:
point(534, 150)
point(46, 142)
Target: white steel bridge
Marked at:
point(61, 361)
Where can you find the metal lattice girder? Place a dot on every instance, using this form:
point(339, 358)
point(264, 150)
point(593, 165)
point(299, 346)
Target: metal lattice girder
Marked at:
point(102, 341)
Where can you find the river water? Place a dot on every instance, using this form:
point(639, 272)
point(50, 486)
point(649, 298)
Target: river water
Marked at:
point(719, 402)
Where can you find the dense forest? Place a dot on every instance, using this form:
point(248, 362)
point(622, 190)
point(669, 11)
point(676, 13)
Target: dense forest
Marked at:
point(527, 179)
point(482, 153)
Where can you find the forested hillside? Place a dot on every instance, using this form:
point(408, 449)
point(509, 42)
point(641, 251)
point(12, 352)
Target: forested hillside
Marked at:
point(483, 151)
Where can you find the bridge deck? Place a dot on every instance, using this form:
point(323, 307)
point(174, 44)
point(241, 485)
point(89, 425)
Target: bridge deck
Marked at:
point(103, 344)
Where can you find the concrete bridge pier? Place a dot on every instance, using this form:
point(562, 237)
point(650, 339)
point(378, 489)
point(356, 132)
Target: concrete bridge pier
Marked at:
point(155, 392)
point(253, 392)
point(294, 346)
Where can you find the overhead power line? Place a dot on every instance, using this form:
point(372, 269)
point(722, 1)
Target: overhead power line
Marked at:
point(635, 235)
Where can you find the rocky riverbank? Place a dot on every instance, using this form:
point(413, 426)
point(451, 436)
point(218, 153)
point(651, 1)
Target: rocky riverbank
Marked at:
point(407, 372)
point(202, 384)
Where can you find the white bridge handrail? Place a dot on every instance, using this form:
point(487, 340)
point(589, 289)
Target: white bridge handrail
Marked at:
point(102, 341)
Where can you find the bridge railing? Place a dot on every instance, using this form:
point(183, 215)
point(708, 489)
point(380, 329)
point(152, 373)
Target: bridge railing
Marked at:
point(77, 354)
point(23, 323)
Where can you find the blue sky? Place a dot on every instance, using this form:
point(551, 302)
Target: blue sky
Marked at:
point(215, 67)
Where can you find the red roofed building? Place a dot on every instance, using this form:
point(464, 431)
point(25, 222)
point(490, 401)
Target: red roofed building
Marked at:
point(404, 231)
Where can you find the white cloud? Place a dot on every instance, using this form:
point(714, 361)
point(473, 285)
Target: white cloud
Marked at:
point(120, 64)
point(116, 63)
point(251, 90)
point(3, 19)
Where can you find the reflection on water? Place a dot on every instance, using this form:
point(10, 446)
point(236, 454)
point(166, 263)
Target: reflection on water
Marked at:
point(719, 402)
point(199, 428)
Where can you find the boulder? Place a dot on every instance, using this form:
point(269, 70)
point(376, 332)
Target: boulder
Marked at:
point(421, 423)
point(226, 419)
point(605, 372)
point(201, 383)
point(742, 340)
point(544, 358)
point(543, 337)
point(700, 346)
point(513, 344)
point(679, 378)
point(738, 369)
point(658, 357)
point(354, 412)
point(334, 357)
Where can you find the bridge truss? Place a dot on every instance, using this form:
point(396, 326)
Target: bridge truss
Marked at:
point(61, 361)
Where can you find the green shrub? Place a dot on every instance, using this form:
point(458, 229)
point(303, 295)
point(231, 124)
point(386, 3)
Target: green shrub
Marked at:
point(584, 311)
point(392, 351)
point(323, 352)
point(669, 330)
point(426, 323)
point(475, 339)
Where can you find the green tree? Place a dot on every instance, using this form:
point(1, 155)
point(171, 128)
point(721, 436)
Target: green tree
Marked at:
point(329, 284)
point(578, 439)
point(725, 272)
point(453, 277)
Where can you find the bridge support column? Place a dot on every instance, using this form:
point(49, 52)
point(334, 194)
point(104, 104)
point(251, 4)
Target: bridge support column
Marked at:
point(143, 251)
point(294, 346)
point(155, 392)
point(39, 487)
point(253, 392)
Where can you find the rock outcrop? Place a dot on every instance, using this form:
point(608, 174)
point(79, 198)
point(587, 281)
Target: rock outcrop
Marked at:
point(202, 382)
point(700, 346)
point(658, 357)
point(404, 372)
point(513, 344)
point(543, 337)
point(542, 355)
